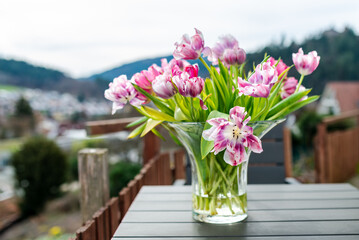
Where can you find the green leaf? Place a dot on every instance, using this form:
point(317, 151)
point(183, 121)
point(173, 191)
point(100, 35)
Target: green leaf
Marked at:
point(210, 89)
point(158, 134)
point(137, 131)
point(175, 139)
point(157, 115)
point(207, 146)
point(224, 71)
point(173, 136)
point(286, 102)
point(284, 72)
point(219, 84)
point(294, 107)
point(182, 104)
point(275, 90)
point(156, 101)
point(139, 121)
point(237, 102)
point(179, 115)
point(150, 125)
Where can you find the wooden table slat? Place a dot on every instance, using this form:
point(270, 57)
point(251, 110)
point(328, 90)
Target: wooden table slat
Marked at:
point(242, 229)
point(325, 237)
point(260, 188)
point(252, 205)
point(256, 196)
point(254, 216)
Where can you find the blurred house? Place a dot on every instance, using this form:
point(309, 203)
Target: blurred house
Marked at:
point(339, 97)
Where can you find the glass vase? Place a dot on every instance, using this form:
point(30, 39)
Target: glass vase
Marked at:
point(219, 190)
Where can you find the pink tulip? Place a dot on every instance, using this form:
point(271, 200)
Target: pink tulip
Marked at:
point(281, 66)
point(188, 86)
point(152, 72)
point(228, 51)
point(140, 80)
point(235, 56)
point(163, 86)
point(120, 92)
point(192, 70)
point(190, 48)
point(289, 87)
point(305, 64)
point(168, 66)
point(260, 83)
point(144, 78)
point(233, 136)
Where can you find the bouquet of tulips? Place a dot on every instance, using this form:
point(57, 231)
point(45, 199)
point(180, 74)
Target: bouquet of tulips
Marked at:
point(227, 100)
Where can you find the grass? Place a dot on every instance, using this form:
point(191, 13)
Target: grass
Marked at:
point(9, 87)
point(10, 145)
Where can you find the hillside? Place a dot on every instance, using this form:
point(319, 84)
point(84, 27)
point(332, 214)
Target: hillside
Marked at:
point(23, 74)
point(137, 66)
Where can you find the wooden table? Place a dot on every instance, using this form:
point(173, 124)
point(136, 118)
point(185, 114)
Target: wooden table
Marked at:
point(293, 212)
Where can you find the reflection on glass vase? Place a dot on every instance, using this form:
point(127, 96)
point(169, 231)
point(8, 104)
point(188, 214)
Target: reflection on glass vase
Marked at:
point(219, 190)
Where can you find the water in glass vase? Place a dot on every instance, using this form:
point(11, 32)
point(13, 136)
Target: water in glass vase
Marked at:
point(220, 209)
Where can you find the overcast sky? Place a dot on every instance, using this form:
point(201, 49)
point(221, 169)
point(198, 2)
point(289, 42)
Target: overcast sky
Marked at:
point(86, 37)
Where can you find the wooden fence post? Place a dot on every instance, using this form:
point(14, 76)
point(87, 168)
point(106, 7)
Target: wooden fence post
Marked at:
point(180, 171)
point(87, 232)
point(99, 218)
point(125, 201)
point(320, 164)
point(287, 141)
point(165, 169)
point(151, 147)
point(93, 176)
point(115, 215)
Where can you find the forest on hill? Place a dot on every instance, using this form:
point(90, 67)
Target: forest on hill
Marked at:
point(339, 52)
point(23, 74)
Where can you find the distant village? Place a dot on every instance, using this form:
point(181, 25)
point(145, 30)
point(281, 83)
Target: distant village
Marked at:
point(52, 103)
point(54, 111)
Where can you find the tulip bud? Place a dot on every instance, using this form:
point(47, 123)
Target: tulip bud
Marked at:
point(305, 64)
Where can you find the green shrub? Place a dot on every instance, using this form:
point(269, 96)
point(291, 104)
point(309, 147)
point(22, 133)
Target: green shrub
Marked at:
point(40, 169)
point(120, 175)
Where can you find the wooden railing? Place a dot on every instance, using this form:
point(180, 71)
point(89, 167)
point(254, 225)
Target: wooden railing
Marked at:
point(336, 153)
point(151, 146)
point(162, 169)
point(158, 169)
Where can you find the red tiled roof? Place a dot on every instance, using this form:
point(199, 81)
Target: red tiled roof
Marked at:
point(347, 94)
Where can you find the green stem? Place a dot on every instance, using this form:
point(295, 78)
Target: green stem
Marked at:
point(215, 186)
point(300, 82)
point(205, 64)
point(177, 99)
point(211, 168)
point(221, 171)
point(229, 203)
point(212, 207)
point(192, 111)
point(262, 111)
